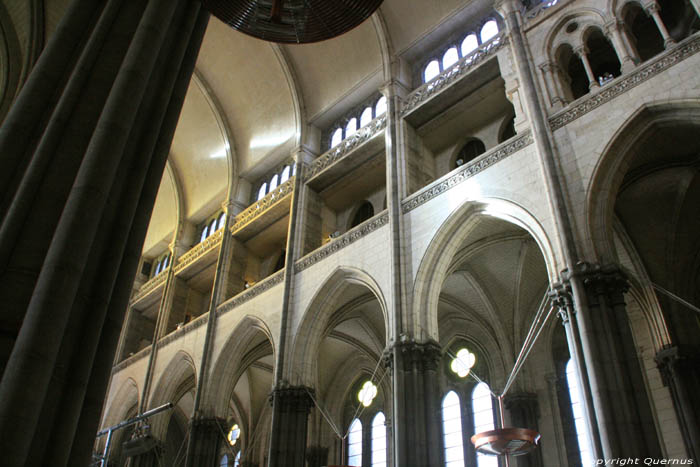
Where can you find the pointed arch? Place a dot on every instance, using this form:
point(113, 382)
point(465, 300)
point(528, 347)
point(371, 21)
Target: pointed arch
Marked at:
point(177, 378)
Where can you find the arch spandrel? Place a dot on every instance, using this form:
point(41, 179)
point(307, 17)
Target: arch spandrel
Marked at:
point(177, 378)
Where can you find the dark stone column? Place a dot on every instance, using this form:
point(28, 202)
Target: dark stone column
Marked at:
point(316, 456)
point(620, 402)
point(414, 368)
point(524, 413)
point(680, 370)
point(290, 412)
point(207, 433)
point(84, 148)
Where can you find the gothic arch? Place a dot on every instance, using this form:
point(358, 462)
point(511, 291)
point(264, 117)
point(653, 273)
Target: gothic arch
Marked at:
point(310, 331)
point(436, 261)
point(239, 352)
point(176, 379)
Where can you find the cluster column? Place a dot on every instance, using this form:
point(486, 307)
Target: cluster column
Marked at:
point(290, 412)
point(84, 148)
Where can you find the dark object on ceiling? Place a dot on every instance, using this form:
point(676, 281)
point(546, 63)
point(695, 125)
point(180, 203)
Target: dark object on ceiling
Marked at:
point(292, 21)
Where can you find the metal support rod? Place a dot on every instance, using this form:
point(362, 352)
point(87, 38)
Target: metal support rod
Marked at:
point(503, 425)
point(109, 431)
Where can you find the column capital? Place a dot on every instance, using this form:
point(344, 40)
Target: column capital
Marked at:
point(548, 67)
point(506, 7)
point(293, 398)
point(610, 275)
point(672, 358)
point(560, 295)
point(652, 7)
point(581, 51)
point(422, 355)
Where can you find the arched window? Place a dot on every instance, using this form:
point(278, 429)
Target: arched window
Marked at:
point(158, 266)
point(355, 443)
point(221, 221)
point(212, 227)
point(237, 462)
point(482, 408)
point(469, 44)
point(205, 233)
point(166, 260)
point(431, 71)
point(584, 445)
point(646, 37)
point(351, 127)
point(450, 58)
point(364, 212)
point(262, 191)
point(379, 440)
point(274, 182)
point(489, 31)
point(508, 131)
point(380, 107)
point(452, 430)
point(285, 175)
point(572, 67)
point(469, 152)
point(224, 461)
point(602, 56)
point(337, 137)
point(366, 116)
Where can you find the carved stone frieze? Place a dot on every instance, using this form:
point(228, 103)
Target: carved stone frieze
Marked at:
point(187, 328)
point(414, 355)
point(254, 291)
point(642, 74)
point(199, 250)
point(466, 171)
point(342, 241)
point(260, 206)
point(132, 359)
point(452, 74)
point(346, 146)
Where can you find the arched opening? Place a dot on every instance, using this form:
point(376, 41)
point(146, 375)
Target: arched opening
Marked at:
point(380, 107)
point(285, 174)
point(431, 71)
point(508, 130)
point(469, 44)
point(262, 191)
point(366, 116)
point(364, 212)
point(576, 80)
point(679, 17)
point(644, 33)
point(602, 56)
point(488, 31)
point(450, 58)
point(337, 137)
point(351, 127)
point(469, 152)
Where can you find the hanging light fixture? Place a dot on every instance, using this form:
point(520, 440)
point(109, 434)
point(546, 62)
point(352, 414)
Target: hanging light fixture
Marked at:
point(292, 21)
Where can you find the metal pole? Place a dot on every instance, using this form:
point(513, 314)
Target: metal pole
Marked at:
point(503, 425)
point(109, 431)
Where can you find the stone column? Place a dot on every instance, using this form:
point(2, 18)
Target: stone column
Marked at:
point(679, 371)
point(316, 456)
point(414, 368)
point(583, 55)
point(696, 6)
point(653, 9)
point(524, 413)
point(290, 407)
point(623, 414)
point(556, 94)
point(84, 147)
point(206, 433)
point(627, 60)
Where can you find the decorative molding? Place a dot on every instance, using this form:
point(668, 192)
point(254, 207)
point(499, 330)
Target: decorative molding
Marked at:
point(623, 84)
point(453, 74)
point(187, 328)
point(260, 206)
point(150, 285)
point(130, 360)
point(199, 250)
point(466, 171)
point(254, 291)
point(338, 152)
point(341, 242)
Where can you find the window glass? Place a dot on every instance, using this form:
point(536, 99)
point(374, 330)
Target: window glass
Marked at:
point(367, 393)
point(165, 262)
point(355, 443)
point(205, 233)
point(233, 434)
point(224, 461)
point(366, 116)
point(212, 227)
point(285, 175)
point(379, 440)
point(463, 363)
point(489, 31)
point(364, 212)
point(469, 44)
point(158, 266)
point(273, 182)
point(450, 58)
point(351, 127)
point(482, 408)
point(452, 430)
point(262, 191)
point(431, 71)
point(380, 108)
point(237, 462)
point(221, 221)
point(584, 446)
point(337, 137)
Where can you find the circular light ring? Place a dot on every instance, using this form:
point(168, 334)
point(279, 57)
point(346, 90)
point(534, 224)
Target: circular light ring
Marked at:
point(367, 393)
point(463, 363)
point(233, 434)
point(511, 441)
point(292, 21)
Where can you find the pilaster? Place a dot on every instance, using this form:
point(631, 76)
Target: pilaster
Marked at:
point(207, 434)
point(290, 406)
